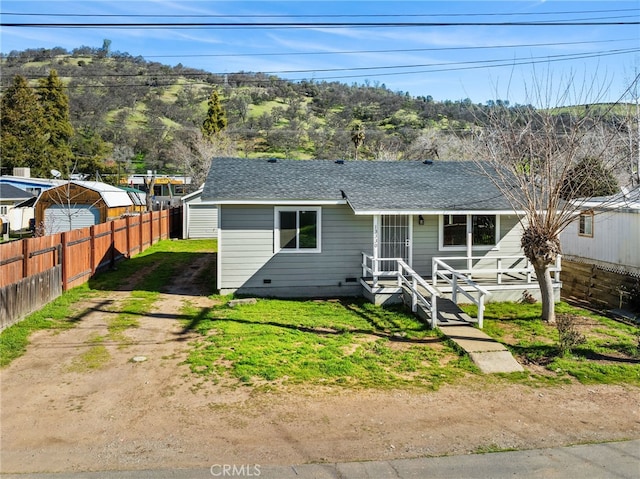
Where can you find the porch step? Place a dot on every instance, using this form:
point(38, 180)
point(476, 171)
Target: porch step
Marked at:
point(489, 355)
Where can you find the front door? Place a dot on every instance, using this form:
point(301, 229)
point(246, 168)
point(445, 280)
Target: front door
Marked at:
point(395, 240)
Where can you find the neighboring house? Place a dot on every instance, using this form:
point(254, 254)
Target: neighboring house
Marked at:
point(606, 233)
point(21, 179)
point(200, 218)
point(10, 196)
point(319, 228)
point(78, 204)
point(10, 199)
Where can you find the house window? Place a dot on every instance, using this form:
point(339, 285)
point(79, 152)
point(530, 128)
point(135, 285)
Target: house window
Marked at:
point(455, 228)
point(586, 224)
point(3, 210)
point(297, 230)
point(484, 230)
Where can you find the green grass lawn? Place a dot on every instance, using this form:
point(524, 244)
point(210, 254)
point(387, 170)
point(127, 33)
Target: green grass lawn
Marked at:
point(609, 353)
point(64, 312)
point(345, 342)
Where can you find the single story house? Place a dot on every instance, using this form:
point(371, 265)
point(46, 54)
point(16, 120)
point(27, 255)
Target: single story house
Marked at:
point(606, 233)
point(21, 179)
point(78, 204)
point(321, 228)
point(199, 218)
point(10, 199)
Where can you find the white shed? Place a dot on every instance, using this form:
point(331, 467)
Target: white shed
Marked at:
point(607, 233)
point(200, 218)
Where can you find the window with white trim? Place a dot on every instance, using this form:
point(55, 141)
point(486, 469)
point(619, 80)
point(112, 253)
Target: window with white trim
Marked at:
point(586, 224)
point(297, 229)
point(454, 229)
point(3, 210)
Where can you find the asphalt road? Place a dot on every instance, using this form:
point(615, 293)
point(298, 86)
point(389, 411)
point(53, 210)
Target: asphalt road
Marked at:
point(615, 460)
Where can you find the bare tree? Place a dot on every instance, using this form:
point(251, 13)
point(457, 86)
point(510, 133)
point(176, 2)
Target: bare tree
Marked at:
point(194, 153)
point(71, 201)
point(530, 154)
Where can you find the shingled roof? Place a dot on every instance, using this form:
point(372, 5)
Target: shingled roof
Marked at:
point(367, 186)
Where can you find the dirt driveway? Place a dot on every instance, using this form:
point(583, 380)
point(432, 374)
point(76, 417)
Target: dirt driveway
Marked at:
point(156, 414)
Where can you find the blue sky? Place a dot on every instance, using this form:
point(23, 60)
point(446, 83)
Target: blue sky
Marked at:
point(480, 62)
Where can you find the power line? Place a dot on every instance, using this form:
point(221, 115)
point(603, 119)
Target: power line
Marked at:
point(538, 59)
point(457, 66)
point(360, 52)
point(400, 50)
point(323, 15)
point(597, 21)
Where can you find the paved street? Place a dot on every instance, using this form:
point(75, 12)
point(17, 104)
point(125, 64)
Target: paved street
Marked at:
point(615, 460)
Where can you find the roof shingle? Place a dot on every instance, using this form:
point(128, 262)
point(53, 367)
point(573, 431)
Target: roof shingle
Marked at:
point(368, 185)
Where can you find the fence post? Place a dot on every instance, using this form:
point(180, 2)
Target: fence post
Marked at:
point(154, 215)
point(25, 258)
point(65, 259)
point(141, 227)
point(112, 248)
point(128, 235)
point(92, 250)
point(164, 223)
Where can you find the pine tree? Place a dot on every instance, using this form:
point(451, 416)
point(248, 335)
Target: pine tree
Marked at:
point(216, 118)
point(55, 104)
point(22, 133)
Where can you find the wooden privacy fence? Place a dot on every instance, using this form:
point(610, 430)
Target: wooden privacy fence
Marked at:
point(34, 271)
point(596, 285)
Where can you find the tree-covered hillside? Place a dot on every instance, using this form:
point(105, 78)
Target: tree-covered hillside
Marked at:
point(132, 114)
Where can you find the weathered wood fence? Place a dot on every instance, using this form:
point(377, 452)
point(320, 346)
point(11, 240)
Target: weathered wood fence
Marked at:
point(34, 271)
point(595, 285)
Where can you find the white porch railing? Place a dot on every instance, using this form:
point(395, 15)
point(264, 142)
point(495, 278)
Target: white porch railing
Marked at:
point(371, 268)
point(407, 277)
point(455, 278)
point(504, 265)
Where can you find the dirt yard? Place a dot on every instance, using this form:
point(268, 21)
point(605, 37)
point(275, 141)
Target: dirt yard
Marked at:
point(156, 414)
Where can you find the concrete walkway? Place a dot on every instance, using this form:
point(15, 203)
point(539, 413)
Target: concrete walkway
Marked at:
point(489, 355)
point(619, 460)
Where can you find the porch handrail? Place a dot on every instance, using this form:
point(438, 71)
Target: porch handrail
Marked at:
point(454, 281)
point(407, 276)
point(499, 270)
point(411, 279)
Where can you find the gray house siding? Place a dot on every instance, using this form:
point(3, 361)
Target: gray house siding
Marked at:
point(426, 244)
point(200, 218)
point(202, 221)
point(248, 264)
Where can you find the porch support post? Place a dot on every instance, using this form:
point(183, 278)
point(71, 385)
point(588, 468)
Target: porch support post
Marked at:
point(414, 296)
point(434, 312)
point(454, 288)
point(469, 253)
point(481, 311)
point(376, 242)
